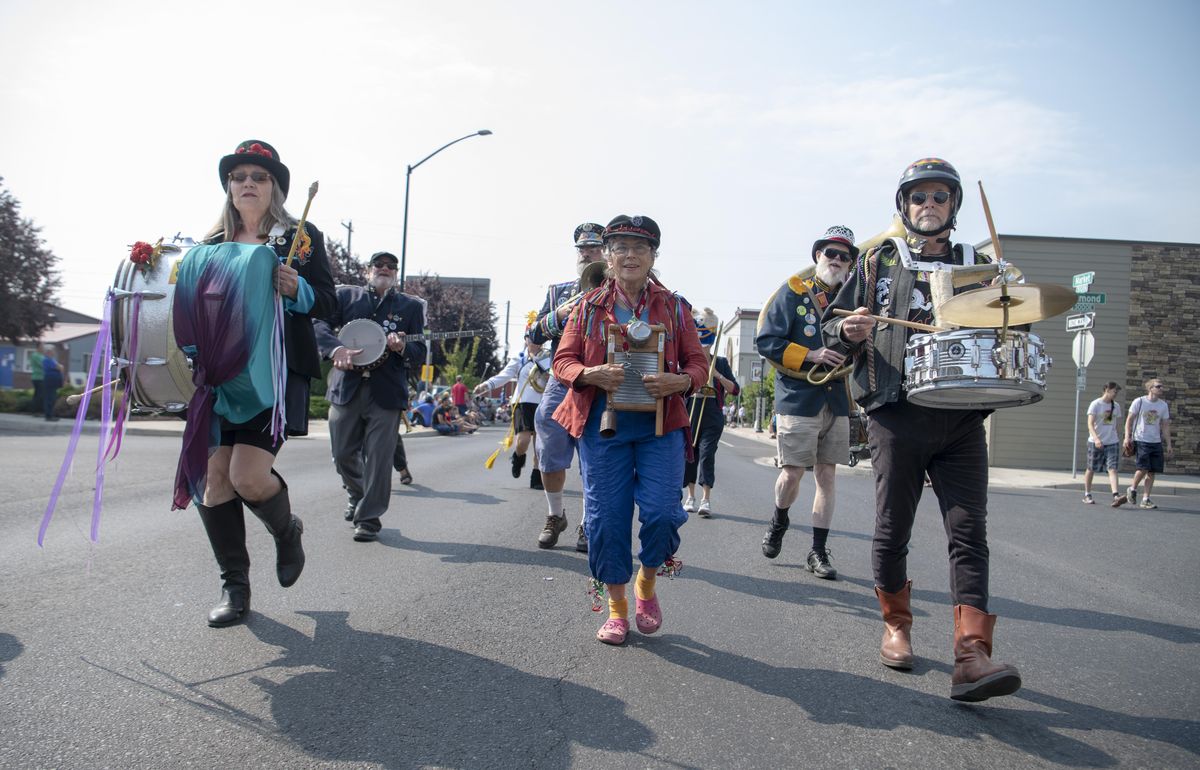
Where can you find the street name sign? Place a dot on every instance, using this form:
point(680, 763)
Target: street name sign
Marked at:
point(1081, 322)
point(1087, 301)
point(1082, 281)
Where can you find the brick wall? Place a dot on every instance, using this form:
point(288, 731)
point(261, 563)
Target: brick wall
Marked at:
point(1164, 341)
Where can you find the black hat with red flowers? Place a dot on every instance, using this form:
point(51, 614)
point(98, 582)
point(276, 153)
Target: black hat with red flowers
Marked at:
point(258, 153)
point(637, 226)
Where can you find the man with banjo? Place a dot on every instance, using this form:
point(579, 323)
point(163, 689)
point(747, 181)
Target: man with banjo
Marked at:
point(810, 401)
point(368, 385)
point(899, 282)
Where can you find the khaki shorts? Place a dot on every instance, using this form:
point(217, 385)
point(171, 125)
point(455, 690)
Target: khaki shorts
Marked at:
point(807, 441)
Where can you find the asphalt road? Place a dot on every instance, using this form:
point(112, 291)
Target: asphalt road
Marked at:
point(454, 642)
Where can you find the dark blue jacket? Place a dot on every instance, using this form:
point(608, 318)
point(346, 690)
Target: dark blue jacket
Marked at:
point(396, 313)
point(789, 327)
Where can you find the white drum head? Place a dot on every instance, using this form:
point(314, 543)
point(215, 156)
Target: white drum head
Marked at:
point(367, 335)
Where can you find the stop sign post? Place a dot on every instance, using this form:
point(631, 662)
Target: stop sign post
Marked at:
point(1083, 347)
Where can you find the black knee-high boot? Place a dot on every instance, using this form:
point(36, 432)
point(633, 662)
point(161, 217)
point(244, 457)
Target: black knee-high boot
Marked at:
point(276, 513)
point(226, 528)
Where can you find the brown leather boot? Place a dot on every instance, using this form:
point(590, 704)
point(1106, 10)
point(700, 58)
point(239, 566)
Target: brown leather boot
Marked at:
point(976, 677)
point(896, 649)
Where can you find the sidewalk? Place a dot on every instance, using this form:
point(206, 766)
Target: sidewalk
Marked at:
point(1029, 478)
point(30, 425)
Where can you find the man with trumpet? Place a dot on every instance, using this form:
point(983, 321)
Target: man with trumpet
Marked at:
point(907, 439)
point(554, 446)
point(810, 399)
point(365, 405)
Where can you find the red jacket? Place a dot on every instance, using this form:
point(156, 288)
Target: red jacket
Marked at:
point(583, 345)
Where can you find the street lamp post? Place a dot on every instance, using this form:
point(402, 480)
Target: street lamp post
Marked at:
point(407, 181)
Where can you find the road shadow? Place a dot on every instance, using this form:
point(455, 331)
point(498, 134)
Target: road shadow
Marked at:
point(1069, 617)
point(812, 593)
point(406, 703)
point(10, 649)
point(840, 698)
point(420, 490)
point(564, 558)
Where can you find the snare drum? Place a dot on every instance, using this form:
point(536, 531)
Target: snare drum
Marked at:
point(970, 369)
point(368, 336)
point(162, 377)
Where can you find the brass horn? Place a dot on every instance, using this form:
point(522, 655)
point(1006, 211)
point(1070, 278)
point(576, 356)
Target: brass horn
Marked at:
point(895, 230)
point(591, 278)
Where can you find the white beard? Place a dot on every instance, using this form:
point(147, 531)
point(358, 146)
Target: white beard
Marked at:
point(828, 276)
point(382, 282)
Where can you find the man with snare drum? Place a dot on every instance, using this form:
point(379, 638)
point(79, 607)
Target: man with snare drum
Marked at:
point(907, 439)
point(365, 404)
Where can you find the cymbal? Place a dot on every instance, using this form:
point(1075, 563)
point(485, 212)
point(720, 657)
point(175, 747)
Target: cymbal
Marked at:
point(1028, 302)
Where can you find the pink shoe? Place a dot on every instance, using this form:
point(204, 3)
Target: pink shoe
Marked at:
point(648, 615)
point(613, 631)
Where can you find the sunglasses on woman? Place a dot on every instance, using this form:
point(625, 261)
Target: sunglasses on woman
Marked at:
point(940, 197)
point(240, 176)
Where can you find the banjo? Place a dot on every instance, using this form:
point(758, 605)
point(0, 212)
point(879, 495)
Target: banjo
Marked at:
point(369, 337)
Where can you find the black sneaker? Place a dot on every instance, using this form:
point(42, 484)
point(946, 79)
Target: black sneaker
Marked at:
point(581, 541)
point(351, 506)
point(555, 525)
point(773, 542)
point(518, 462)
point(818, 563)
point(535, 479)
point(365, 534)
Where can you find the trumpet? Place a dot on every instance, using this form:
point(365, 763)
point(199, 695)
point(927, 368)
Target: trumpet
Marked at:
point(591, 278)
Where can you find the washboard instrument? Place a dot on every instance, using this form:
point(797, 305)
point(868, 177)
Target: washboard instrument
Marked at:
point(638, 358)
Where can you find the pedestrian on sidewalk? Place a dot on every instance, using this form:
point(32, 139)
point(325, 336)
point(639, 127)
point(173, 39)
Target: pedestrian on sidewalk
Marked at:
point(1103, 455)
point(52, 380)
point(1147, 432)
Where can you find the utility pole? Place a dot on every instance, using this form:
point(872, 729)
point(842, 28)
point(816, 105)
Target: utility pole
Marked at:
point(349, 234)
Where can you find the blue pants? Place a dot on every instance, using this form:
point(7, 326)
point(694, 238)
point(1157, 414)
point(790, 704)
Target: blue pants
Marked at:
point(635, 466)
point(555, 447)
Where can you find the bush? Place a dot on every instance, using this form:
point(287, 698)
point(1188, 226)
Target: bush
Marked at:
point(15, 400)
point(318, 408)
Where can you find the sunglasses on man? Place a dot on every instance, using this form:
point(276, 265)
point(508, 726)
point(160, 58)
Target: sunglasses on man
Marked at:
point(918, 198)
point(836, 254)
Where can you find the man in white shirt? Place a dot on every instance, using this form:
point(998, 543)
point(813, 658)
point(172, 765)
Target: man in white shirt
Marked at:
point(1148, 431)
point(1103, 449)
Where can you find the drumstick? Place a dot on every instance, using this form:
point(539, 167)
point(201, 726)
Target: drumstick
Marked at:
point(75, 398)
point(897, 321)
point(312, 193)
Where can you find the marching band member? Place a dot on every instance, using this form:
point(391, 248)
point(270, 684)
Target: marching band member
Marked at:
point(908, 440)
point(634, 466)
point(531, 371)
point(365, 406)
point(707, 415)
point(813, 428)
point(555, 447)
point(239, 469)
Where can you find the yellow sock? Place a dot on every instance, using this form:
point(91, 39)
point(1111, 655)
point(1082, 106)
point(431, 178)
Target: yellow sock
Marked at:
point(644, 586)
point(618, 608)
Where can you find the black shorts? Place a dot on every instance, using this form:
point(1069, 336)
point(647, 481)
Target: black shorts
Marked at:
point(523, 421)
point(254, 432)
point(1149, 456)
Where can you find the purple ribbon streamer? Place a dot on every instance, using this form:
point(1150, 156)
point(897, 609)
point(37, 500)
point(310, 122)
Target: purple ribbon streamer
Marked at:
point(118, 431)
point(103, 342)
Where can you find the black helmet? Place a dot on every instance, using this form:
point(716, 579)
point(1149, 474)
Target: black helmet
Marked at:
point(929, 170)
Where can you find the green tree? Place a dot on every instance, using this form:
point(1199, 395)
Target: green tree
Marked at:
point(767, 389)
point(346, 268)
point(452, 308)
point(28, 278)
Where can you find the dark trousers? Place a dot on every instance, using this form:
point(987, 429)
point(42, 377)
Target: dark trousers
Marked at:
point(706, 432)
point(50, 386)
point(363, 438)
point(906, 441)
point(400, 457)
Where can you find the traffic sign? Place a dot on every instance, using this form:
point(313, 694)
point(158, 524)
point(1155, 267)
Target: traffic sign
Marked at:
point(1078, 323)
point(1080, 379)
point(1082, 348)
point(1082, 281)
point(756, 371)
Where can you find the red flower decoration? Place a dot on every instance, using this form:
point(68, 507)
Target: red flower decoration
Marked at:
point(257, 149)
point(141, 253)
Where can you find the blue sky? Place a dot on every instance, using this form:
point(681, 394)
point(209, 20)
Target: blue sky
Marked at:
point(745, 129)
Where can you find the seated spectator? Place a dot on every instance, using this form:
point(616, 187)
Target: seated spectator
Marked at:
point(446, 421)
